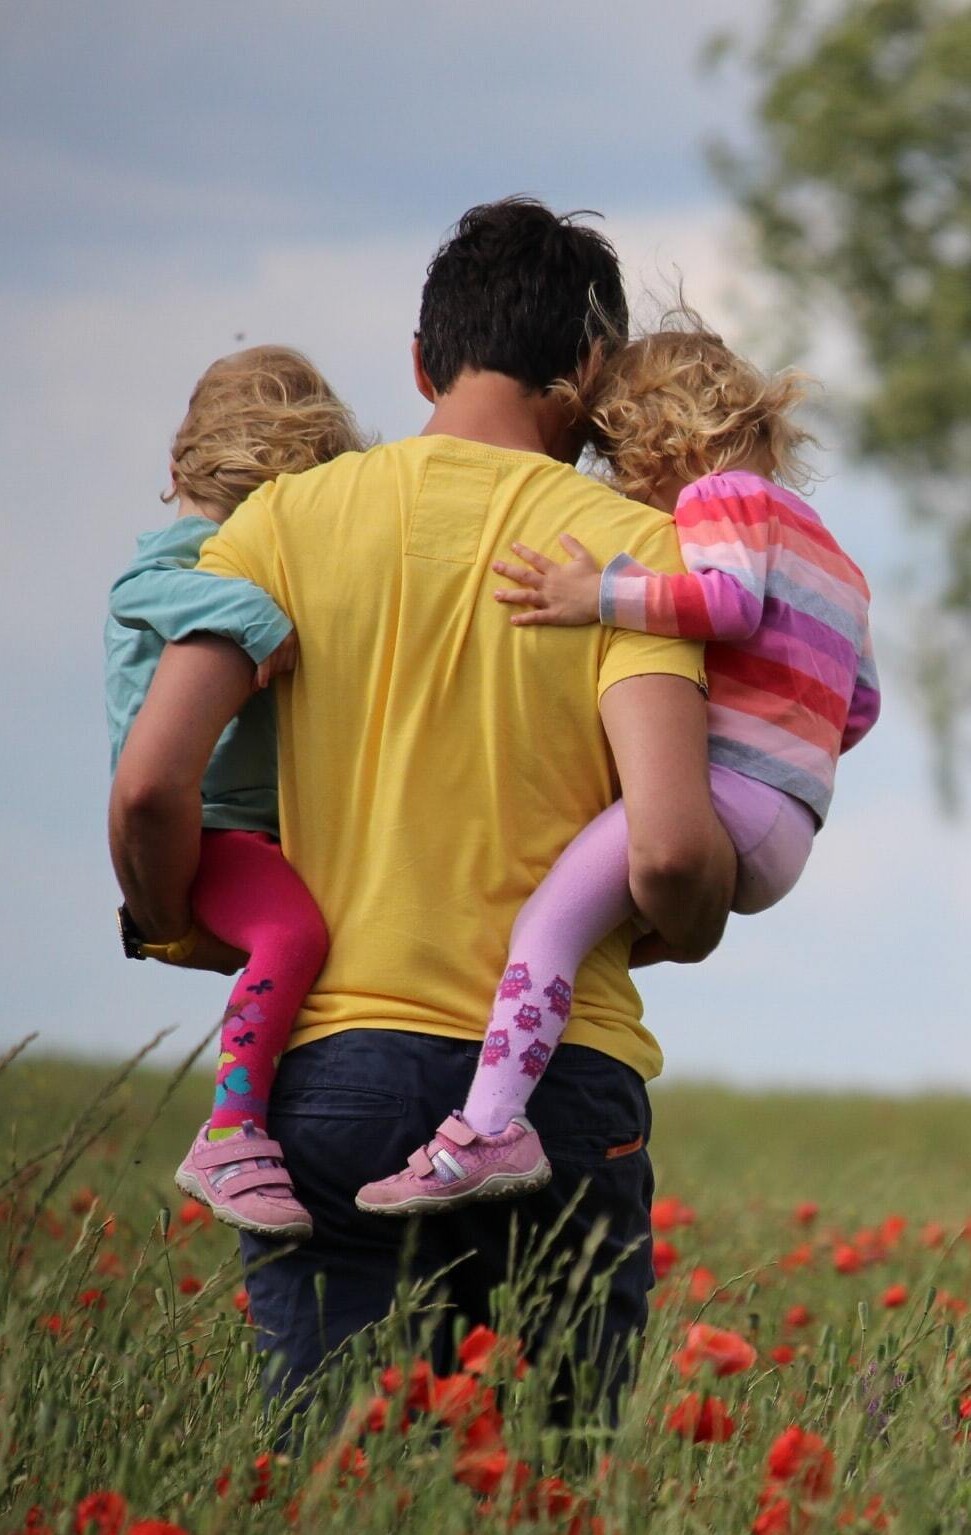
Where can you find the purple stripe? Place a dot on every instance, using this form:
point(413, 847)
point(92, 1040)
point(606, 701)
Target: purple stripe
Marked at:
point(782, 619)
point(801, 656)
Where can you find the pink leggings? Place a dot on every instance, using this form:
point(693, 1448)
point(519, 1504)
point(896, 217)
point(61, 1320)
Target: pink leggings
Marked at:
point(247, 894)
point(585, 896)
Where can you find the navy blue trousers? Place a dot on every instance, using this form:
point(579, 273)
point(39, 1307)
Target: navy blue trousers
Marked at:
point(353, 1107)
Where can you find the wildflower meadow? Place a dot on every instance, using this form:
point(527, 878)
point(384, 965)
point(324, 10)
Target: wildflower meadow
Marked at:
point(807, 1366)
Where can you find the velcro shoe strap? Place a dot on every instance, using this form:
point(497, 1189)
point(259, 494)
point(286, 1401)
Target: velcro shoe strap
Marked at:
point(455, 1130)
point(238, 1148)
point(259, 1178)
point(421, 1163)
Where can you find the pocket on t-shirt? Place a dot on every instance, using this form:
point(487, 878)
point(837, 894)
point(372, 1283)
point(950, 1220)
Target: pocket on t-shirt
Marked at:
point(450, 511)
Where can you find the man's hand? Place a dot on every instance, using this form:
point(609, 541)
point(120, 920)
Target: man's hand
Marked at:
point(556, 594)
point(652, 949)
point(210, 953)
point(283, 659)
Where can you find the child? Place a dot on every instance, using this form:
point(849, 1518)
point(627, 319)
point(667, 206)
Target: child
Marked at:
point(687, 426)
point(253, 416)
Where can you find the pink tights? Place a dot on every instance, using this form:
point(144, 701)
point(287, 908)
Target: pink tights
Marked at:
point(247, 894)
point(585, 896)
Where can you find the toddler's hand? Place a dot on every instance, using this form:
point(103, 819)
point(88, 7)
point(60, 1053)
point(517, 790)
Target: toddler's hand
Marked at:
point(555, 594)
point(283, 659)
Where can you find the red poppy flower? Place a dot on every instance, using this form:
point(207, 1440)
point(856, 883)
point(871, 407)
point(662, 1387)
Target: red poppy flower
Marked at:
point(805, 1213)
point(192, 1213)
point(846, 1259)
point(702, 1284)
point(418, 1397)
point(704, 1421)
point(782, 1354)
point(800, 1257)
point(453, 1397)
point(100, 1513)
point(484, 1470)
point(895, 1295)
point(668, 1213)
point(92, 1300)
point(774, 1518)
point(933, 1234)
point(34, 1523)
point(665, 1256)
point(892, 1229)
point(190, 1285)
point(241, 1301)
point(802, 1458)
point(110, 1266)
point(82, 1201)
point(727, 1352)
point(872, 1517)
point(798, 1316)
point(945, 1301)
point(53, 1323)
point(482, 1351)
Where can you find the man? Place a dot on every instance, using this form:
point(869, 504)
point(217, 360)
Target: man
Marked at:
point(433, 764)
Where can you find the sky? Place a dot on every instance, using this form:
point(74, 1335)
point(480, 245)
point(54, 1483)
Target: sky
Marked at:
point(176, 176)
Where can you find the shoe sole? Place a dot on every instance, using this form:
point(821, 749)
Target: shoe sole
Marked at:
point(187, 1183)
point(497, 1186)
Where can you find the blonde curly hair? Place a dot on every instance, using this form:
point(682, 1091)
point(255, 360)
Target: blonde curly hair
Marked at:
point(678, 403)
point(252, 416)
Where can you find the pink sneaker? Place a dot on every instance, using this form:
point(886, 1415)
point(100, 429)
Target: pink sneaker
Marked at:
point(244, 1182)
point(458, 1167)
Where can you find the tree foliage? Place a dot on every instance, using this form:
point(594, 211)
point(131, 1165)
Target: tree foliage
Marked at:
point(859, 188)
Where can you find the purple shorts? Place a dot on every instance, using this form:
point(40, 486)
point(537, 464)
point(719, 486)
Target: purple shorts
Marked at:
point(771, 832)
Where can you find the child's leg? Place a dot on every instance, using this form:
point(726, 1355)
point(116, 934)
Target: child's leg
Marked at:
point(247, 894)
point(585, 896)
point(772, 834)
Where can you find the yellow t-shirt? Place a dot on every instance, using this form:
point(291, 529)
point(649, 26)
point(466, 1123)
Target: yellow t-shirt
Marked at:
point(433, 760)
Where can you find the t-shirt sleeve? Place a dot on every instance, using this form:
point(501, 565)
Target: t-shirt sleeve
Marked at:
point(626, 653)
point(247, 546)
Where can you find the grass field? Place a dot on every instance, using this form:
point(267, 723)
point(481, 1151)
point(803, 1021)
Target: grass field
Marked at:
point(834, 1393)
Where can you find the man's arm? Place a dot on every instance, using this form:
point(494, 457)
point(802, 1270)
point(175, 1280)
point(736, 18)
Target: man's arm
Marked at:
point(155, 814)
point(682, 865)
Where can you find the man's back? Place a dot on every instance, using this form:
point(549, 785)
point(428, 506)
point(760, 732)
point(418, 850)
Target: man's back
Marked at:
point(433, 762)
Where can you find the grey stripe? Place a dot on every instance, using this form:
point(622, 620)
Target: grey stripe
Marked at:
point(608, 591)
point(814, 605)
point(758, 764)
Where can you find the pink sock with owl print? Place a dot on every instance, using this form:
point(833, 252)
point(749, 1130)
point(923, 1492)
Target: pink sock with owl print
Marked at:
point(585, 896)
point(248, 895)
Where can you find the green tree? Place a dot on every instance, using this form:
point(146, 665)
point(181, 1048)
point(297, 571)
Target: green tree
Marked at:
point(859, 190)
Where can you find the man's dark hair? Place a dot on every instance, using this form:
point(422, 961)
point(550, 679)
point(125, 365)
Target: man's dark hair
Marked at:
point(520, 290)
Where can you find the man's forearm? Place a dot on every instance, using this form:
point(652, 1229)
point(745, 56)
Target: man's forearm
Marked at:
point(154, 842)
point(155, 818)
point(687, 904)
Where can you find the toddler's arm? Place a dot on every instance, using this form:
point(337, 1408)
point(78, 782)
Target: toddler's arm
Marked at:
point(724, 540)
point(160, 593)
point(865, 703)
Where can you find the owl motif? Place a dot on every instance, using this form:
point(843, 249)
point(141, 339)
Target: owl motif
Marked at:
point(496, 1048)
point(516, 980)
point(560, 996)
point(535, 1058)
point(528, 1018)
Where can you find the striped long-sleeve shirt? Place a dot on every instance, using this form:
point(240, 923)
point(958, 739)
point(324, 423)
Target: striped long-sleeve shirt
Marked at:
point(792, 681)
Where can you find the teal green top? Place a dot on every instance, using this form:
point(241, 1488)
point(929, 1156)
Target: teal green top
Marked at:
point(162, 597)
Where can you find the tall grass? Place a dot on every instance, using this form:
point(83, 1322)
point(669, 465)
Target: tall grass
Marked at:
point(128, 1365)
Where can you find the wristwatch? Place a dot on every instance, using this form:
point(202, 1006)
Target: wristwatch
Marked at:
point(135, 946)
